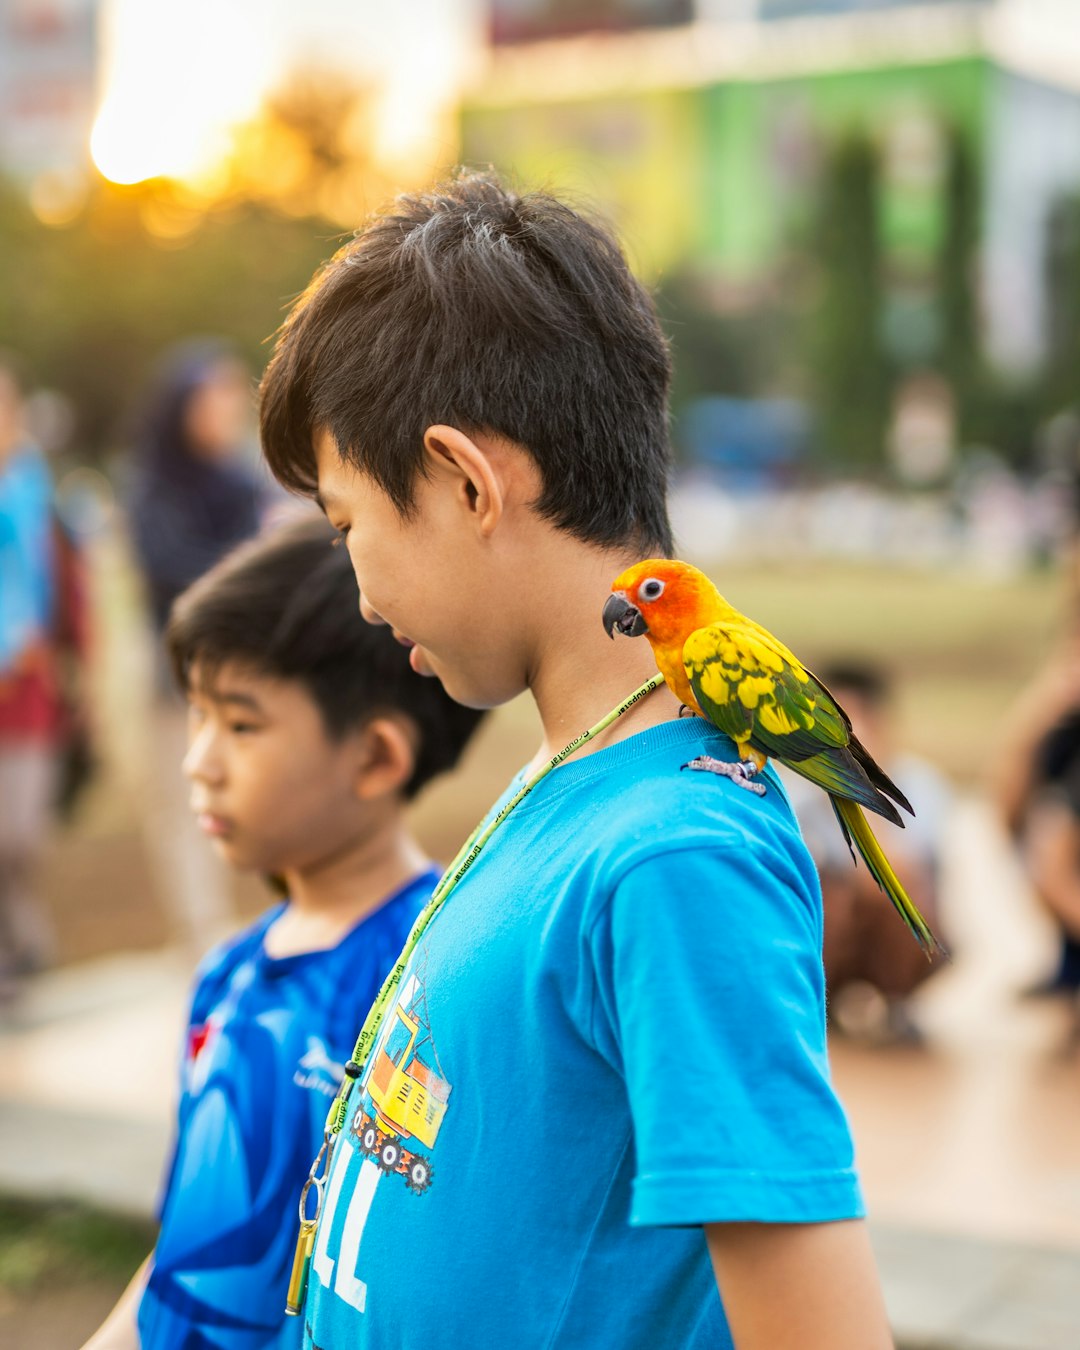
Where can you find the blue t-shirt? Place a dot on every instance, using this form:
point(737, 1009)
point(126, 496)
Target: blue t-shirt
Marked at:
point(613, 1033)
point(266, 1042)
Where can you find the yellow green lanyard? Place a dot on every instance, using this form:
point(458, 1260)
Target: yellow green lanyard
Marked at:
point(354, 1069)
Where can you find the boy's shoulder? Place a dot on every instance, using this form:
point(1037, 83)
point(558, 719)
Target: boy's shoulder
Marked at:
point(632, 819)
point(228, 955)
point(643, 797)
point(656, 827)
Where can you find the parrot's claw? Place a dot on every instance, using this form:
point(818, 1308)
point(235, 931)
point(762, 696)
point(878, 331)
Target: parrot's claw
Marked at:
point(741, 772)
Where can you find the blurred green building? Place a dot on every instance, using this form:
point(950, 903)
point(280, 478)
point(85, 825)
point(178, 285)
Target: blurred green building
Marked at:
point(715, 136)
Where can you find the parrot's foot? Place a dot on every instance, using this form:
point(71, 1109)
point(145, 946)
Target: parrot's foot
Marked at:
point(742, 772)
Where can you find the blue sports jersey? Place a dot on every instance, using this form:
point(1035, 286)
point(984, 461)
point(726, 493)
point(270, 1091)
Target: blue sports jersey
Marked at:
point(612, 1034)
point(266, 1042)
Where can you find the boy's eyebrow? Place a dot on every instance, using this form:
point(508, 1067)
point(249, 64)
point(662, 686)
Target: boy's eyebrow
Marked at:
point(248, 701)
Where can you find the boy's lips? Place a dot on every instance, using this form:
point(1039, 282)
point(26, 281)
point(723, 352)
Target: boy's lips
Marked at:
point(217, 827)
point(418, 658)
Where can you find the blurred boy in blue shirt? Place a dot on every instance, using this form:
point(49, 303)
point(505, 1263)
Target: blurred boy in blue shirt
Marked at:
point(308, 733)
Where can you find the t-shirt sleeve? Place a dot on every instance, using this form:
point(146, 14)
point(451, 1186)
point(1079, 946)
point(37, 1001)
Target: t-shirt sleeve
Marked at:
point(211, 977)
point(169, 1169)
point(709, 979)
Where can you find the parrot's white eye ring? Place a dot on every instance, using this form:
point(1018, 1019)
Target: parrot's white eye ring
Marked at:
point(651, 589)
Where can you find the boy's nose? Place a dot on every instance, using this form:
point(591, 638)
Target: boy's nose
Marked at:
point(202, 763)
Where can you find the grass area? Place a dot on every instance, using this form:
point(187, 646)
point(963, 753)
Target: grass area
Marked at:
point(46, 1245)
point(62, 1268)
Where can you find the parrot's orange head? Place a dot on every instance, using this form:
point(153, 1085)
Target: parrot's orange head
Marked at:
point(663, 598)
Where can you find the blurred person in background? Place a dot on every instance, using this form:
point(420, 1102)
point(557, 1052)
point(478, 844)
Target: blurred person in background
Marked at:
point(194, 498)
point(871, 966)
point(1037, 785)
point(42, 646)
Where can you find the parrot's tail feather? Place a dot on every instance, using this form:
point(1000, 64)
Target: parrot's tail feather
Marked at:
point(839, 772)
point(879, 778)
point(860, 837)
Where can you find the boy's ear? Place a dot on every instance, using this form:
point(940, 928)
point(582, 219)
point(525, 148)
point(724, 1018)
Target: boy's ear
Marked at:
point(478, 472)
point(389, 758)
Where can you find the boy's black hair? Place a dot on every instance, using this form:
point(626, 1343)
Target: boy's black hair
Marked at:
point(286, 606)
point(511, 315)
point(867, 679)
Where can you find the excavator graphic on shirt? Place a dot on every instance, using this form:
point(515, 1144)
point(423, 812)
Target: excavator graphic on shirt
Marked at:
point(403, 1095)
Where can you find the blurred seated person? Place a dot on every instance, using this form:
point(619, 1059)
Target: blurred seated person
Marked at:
point(871, 962)
point(1038, 797)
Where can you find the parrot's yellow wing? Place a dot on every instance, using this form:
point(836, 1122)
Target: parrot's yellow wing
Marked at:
point(756, 691)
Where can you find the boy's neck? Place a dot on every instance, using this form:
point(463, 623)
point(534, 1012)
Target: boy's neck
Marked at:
point(579, 674)
point(328, 900)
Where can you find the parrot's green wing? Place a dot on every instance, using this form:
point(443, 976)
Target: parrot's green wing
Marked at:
point(752, 688)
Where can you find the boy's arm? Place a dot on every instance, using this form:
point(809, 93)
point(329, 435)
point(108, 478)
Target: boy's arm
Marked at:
point(799, 1286)
point(1053, 693)
point(709, 978)
point(120, 1329)
point(1053, 858)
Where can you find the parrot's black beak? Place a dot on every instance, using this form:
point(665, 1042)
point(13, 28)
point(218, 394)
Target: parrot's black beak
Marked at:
point(621, 614)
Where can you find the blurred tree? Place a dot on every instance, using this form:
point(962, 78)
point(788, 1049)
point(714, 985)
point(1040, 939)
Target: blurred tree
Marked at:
point(844, 352)
point(309, 152)
point(960, 359)
point(1063, 291)
point(1006, 411)
point(93, 301)
point(739, 352)
point(715, 352)
point(92, 305)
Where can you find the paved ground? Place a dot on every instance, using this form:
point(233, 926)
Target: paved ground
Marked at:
point(969, 1147)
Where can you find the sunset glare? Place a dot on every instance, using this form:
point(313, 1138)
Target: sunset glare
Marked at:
point(174, 87)
point(177, 81)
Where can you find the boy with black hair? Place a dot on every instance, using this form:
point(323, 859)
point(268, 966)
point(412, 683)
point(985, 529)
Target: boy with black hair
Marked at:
point(621, 1002)
point(308, 732)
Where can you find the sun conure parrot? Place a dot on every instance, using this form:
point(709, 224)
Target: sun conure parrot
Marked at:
point(732, 671)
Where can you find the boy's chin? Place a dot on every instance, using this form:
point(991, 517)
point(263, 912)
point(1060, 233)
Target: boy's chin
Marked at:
point(470, 688)
point(421, 662)
point(235, 856)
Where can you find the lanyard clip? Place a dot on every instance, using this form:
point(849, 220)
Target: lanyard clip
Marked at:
point(305, 1241)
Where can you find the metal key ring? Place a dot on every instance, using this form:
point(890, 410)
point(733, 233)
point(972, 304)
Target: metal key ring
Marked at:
point(319, 1183)
point(313, 1171)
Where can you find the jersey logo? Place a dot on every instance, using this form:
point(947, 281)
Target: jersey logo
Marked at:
point(197, 1038)
point(200, 1047)
point(316, 1070)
